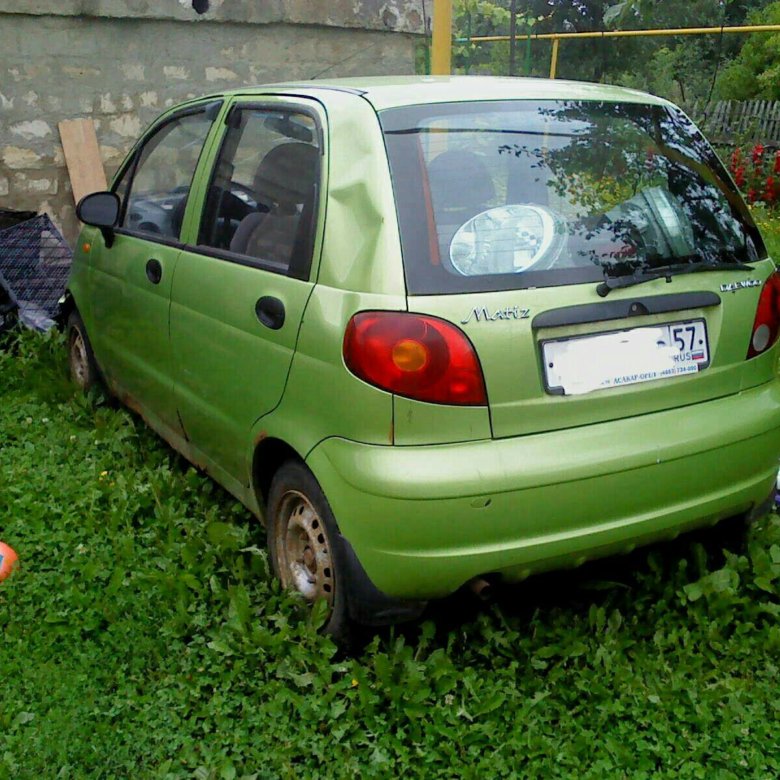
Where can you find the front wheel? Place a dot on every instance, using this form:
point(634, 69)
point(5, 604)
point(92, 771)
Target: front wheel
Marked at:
point(304, 544)
point(81, 359)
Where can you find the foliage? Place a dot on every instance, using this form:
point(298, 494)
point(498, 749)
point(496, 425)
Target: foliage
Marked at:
point(481, 17)
point(768, 221)
point(694, 13)
point(682, 68)
point(586, 60)
point(755, 73)
point(144, 637)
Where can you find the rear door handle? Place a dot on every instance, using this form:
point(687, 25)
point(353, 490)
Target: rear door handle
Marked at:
point(154, 271)
point(270, 312)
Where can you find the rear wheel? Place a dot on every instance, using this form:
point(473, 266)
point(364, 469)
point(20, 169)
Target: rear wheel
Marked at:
point(303, 541)
point(81, 360)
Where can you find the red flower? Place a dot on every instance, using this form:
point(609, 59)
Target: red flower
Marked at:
point(758, 155)
point(770, 194)
point(736, 158)
point(751, 195)
point(777, 161)
point(739, 176)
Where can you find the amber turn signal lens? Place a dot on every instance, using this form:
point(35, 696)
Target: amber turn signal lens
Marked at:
point(409, 355)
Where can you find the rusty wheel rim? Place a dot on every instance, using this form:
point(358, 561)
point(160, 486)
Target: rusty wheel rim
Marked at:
point(79, 362)
point(303, 551)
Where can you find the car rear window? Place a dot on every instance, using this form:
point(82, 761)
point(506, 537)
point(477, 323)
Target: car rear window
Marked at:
point(516, 194)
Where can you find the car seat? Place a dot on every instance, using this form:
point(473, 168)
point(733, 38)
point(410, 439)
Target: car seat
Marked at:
point(285, 184)
point(461, 186)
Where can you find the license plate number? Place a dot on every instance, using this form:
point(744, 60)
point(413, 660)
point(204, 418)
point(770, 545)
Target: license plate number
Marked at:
point(584, 364)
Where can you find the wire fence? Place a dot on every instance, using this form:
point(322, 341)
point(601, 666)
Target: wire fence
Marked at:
point(35, 262)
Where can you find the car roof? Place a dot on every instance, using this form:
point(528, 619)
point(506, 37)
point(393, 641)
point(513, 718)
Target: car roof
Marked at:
point(395, 91)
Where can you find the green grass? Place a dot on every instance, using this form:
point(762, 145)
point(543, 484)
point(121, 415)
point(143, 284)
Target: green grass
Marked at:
point(144, 637)
point(768, 222)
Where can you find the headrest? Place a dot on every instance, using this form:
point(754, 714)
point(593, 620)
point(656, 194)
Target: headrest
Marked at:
point(459, 180)
point(286, 174)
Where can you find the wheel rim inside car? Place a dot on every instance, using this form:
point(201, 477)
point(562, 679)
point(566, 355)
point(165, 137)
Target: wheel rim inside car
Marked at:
point(78, 359)
point(303, 551)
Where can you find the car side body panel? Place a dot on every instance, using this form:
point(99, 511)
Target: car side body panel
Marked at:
point(229, 367)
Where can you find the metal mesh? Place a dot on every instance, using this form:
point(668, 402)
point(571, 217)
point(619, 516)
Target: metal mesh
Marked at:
point(34, 266)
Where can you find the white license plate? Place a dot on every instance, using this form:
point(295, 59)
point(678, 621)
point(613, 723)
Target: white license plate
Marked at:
point(586, 363)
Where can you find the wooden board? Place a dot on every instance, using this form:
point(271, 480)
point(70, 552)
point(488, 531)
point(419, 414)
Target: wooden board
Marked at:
point(82, 157)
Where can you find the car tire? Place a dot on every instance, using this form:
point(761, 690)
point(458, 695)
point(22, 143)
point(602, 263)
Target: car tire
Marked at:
point(304, 544)
point(84, 371)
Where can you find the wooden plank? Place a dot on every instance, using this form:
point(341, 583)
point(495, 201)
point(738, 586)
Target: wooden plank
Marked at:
point(761, 123)
point(722, 117)
point(741, 119)
point(82, 157)
point(724, 120)
point(754, 118)
point(771, 122)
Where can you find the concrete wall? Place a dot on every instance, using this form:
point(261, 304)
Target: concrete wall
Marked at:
point(123, 61)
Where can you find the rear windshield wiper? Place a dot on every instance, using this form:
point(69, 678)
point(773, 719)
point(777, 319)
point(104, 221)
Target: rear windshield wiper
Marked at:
point(664, 272)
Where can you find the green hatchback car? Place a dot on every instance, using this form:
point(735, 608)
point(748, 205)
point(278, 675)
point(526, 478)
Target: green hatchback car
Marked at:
point(437, 330)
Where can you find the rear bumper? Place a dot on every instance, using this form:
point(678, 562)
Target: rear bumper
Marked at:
point(424, 520)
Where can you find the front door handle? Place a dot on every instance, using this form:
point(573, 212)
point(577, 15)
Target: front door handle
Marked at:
point(154, 271)
point(270, 312)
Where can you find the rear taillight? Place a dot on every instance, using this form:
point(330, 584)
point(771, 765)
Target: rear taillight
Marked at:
point(419, 357)
point(767, 322)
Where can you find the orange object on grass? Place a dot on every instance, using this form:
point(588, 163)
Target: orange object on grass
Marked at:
point(8, 560)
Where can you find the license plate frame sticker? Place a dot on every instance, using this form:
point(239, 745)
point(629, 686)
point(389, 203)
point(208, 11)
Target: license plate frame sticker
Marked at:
point(601, 361)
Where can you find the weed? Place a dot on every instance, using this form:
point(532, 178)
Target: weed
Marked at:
point(144, 636)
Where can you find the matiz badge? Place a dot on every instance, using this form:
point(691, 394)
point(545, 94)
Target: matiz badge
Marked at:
point(479, 313)
point(734, 286)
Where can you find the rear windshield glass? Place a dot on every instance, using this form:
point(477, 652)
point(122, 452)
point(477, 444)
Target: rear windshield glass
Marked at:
point(517, 194)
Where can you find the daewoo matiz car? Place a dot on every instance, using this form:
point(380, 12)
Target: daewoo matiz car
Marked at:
point(432, 330)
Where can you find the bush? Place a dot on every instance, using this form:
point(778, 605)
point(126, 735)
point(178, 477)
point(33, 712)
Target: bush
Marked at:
point(757, 173)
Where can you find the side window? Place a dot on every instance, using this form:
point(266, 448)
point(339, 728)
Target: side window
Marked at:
point(163, 175)
point(262, 199)
point(123, 183)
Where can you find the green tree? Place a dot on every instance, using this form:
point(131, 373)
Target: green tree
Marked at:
point(482, 17)
point(755, 73)
point(682, 68)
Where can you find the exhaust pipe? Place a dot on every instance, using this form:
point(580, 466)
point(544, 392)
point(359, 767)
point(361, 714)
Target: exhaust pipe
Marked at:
point(481, 588)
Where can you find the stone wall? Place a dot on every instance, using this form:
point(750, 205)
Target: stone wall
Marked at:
point(122, 62)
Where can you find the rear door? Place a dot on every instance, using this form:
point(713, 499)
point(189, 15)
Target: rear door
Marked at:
point(529, 224)
point(243, 280)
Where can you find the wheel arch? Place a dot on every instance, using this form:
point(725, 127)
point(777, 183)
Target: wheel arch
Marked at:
point(269, 454)
point(67, 304)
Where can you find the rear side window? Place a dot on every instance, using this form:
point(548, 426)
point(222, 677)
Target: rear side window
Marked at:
point(517, 194)
point(261, 203)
